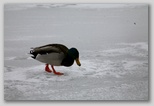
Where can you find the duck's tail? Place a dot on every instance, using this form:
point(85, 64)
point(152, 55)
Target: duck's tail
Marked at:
point(33, 53)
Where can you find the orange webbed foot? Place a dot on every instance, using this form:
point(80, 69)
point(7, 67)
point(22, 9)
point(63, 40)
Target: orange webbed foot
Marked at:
point(47, 69)
point(57, 73)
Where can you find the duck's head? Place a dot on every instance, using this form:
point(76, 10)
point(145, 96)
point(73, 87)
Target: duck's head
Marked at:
point(73, 52)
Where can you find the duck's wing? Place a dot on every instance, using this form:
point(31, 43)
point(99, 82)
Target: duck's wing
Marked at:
point(50, 48)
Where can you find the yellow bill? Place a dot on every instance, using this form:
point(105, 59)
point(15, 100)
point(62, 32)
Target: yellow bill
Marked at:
point(78, 62)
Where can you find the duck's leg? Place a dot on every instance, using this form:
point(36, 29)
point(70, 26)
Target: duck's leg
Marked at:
point(47, 69)
point(57, 73)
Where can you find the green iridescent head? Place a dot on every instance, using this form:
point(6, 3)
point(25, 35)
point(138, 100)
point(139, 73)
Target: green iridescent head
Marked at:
point(73, 52)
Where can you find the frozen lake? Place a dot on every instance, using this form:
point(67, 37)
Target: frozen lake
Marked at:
point(112, 40)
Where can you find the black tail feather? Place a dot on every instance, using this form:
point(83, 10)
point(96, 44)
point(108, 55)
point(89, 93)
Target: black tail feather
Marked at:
point(33, 53)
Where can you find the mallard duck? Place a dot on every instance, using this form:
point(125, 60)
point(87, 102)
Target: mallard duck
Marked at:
point(55, 55)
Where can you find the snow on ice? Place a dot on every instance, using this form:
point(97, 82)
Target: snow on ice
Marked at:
point(113, 51)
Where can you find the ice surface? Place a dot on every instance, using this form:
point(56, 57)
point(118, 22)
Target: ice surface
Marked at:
point(113, 51)
point(19, 6)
